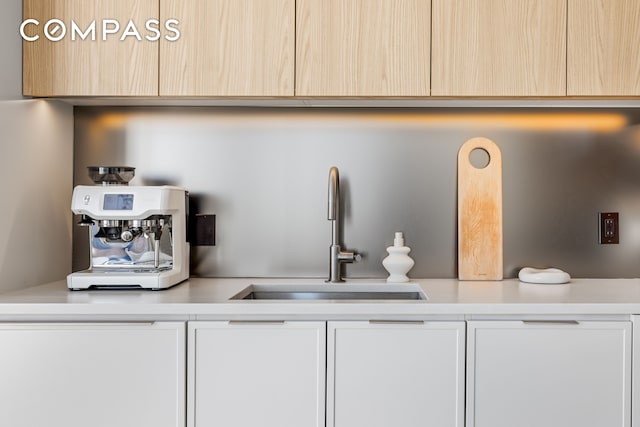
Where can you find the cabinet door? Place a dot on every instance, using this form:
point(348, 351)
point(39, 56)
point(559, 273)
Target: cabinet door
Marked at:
point(499, 48)
point(88, 67)
point(395, 374)
point(362, 47)
point(602, 51)
point(549, 374)
point(98, 375)
point(229, 48)
point(635, 383)
point(256, 374)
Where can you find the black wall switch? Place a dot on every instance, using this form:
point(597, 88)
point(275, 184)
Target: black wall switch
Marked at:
point(203, 230)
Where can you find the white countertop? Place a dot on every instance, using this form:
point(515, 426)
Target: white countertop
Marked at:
point(202, 298)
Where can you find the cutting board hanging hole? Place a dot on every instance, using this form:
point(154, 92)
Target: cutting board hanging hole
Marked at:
point(479, 158)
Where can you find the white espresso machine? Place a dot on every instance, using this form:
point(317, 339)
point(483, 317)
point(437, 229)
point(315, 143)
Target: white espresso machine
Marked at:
point(137, 234)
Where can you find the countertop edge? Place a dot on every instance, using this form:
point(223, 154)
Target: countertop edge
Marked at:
point(203, 298)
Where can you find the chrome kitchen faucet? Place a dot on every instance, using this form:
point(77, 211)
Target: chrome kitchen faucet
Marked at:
point(336, 256)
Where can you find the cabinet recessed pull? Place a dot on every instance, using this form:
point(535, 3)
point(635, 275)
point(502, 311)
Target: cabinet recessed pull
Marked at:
point(256, 322)
point(550, 322)
point(396, 322)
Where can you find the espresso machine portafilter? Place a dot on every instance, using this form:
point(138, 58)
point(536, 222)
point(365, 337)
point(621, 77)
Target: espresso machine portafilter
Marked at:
point(137, 234)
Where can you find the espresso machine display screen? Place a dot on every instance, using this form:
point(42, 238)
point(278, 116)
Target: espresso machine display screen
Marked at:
point(118, 202)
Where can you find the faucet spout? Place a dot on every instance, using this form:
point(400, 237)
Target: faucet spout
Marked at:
point(333, 205)
point(336, 255)
point(334, 194)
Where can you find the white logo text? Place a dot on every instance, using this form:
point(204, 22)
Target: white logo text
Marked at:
point(55, 30)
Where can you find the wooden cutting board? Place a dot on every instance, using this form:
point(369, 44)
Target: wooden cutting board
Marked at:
point(480, 213)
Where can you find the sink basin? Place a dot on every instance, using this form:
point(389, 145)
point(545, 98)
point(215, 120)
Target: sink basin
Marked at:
point(329, 292)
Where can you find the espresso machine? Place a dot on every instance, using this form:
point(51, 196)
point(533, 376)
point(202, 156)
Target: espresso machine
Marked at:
point(137, 234)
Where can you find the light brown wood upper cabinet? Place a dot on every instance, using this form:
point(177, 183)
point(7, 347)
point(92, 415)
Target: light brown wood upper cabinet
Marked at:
point(334, 48)
point(229, 48)
point(603, 48)
point(362, 47)
point(89, 67)
point(499, 48)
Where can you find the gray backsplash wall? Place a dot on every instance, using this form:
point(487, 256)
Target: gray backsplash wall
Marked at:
point(264, 173)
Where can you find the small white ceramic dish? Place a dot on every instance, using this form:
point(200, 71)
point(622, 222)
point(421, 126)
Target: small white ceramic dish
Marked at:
point(547, 276)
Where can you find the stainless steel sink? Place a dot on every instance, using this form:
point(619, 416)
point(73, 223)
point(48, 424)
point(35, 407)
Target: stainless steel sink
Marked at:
point(329, 292)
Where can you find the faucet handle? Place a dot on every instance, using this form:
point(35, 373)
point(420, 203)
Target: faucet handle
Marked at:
point(349, 256)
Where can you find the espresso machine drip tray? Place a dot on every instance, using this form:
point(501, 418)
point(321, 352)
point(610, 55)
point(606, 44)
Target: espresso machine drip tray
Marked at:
point(121, 279)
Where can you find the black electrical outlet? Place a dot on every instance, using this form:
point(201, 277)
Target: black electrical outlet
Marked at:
point(203, 230)
point(609, 228)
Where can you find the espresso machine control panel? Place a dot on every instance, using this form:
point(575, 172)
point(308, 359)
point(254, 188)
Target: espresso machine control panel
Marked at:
point(124, 202)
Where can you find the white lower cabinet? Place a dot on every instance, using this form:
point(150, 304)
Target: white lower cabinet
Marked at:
point(92, 374)
point(273, 374)
point(267, 374)
point(635, 386)
point(400, 374)
point(551, 374)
